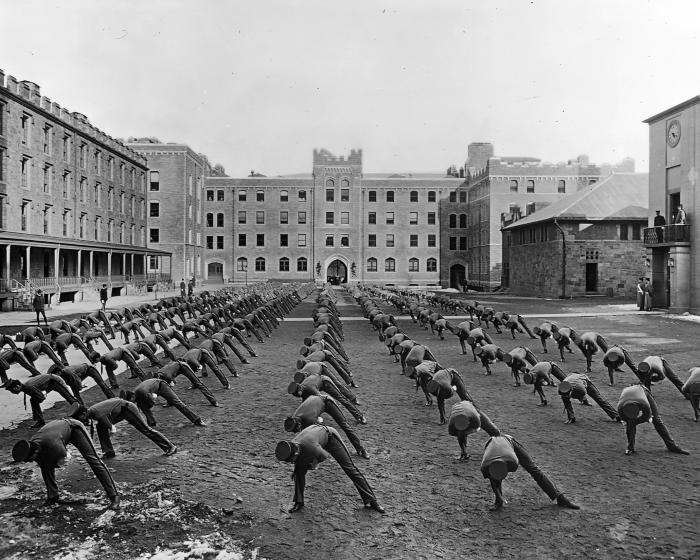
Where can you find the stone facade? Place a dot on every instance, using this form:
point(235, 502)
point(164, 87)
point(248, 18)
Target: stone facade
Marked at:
point(175, 205)
point(338, 221)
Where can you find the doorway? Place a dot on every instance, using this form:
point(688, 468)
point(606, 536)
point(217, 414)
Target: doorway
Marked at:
point(458, 274)
point(337, 273)
point(674, 201)
point(215, 272)
point(592, 277)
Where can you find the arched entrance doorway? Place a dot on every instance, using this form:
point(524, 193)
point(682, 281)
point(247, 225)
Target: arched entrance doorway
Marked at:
point(337, 272)
point(215, 272)
point(458, 275)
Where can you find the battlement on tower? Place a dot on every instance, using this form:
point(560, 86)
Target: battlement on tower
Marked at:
point(31, 94)
point(324, 158)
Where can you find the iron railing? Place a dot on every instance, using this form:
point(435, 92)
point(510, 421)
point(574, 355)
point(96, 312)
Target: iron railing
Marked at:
point(667, 235)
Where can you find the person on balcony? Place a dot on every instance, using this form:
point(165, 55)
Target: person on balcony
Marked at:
point(659, 223)
point(38, 305)
point(681, 218)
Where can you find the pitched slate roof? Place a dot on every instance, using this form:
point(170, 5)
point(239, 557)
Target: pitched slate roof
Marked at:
point(617, 196)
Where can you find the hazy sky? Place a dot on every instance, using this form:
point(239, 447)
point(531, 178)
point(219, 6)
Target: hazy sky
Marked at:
point(260, 84)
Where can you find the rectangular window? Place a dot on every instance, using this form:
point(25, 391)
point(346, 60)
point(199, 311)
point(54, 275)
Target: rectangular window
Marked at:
point(513, 185)
point(110, 198)
point(47, 220)
point(372, 265)
point(284, 217)
point(122, 175)
point(431, 240)
point(242, 240)
point(284, 196)
point(241, 217)
point(48, 134)
point(66, 147)
point(98, 163)
point(462, 196)
point(210, 241)
point(284, 240)
point(530, 185)
point(301, 217)
point(242, 196)
point(453, 243)
point(413, 218)
point(155, 181)
point(260, 196)
point(83, 155)
point(25, 166)
point(390, 196)
point(260, 217)
point(301, 195)
point(219, 242)
point(2, 159)
point(66, 184)
point(413, 241)
point(3, 107)
point(372, 196)
point(413, 265)
point(210, 196)
point(431, 196)
point(453, 196)
point(121, 202)
point(26, 122)
point(24, 216)
point(82, 189)
point(330, 241)
point(260, 240)
point(154, 209)
point(462, 243)
point(372, 218)
point(431, 218)
point(390, 218)
point(372, 240)
point(154, 235)
point(301, 240)
point(636, 232)
point(389, 239)
point(624, 235)
point(389, 265)
point(220, 196)
point(66, 222)
point(344, 195)
point(330, 195)
point(48, 172)
point(330, 217)
point(561, 186)
point(345, 241)
point(345, 218)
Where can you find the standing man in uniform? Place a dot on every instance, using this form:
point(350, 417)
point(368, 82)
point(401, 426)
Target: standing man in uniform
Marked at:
point(659, 223)
point(104, 297)
point(183, 288)
point(38, 305)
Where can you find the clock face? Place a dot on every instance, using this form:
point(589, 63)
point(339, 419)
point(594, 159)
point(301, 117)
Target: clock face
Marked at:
point(673, 133)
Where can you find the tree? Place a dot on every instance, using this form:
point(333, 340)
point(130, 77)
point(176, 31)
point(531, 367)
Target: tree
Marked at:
point(218, 171)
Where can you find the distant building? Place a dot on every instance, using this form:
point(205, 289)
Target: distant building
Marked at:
point(175, 190)
point(337, 224)
point(674, 160)
point(589, 242)
point(494, 189)
point(72, 202)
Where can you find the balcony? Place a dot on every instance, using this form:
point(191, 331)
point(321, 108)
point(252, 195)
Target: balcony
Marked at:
point(666, 236)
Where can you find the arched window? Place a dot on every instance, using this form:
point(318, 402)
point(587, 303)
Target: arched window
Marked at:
point(210, 220)
point(260, 196)
point(453, 220)
point(284, 196)
point(372, 196)
point(431, 196)
point(462, 220)
point(260, 264)
point(413, 265)
point(431, 265)
point(284, 264)
point(219, 220)
point(389, 265)
point(345, 184)
point(241, 264)
point(371, 264)
point(414, 196)
point(330, 183)
point(390, 196)
point(513, 185)
point(242, 196)
point(302, 264)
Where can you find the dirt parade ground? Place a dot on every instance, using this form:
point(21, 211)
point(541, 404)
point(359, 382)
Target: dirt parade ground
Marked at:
point(224, 494)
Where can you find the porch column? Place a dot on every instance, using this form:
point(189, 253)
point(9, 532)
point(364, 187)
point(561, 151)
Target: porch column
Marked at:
point(56, 257)
point(27, 265)
point(123, 264)
point(92, 269)
point(132, 264)
point(109, 267)
point(7, 263)
point(80, 263)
